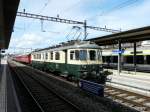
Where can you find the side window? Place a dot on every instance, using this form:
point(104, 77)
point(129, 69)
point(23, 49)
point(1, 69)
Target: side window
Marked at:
point(72, 55)
point(51, 55)
point(34, 56)
point(38, 56)
point(77, 54)
point(57, 56)
point(92, 54)
point(46, 56)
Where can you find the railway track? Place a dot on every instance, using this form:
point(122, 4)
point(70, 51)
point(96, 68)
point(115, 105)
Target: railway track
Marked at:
point(36, 75)
point(46, 99)
point(133, 100)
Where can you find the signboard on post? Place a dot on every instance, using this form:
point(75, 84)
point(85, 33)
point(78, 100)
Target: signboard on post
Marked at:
point(117, 51)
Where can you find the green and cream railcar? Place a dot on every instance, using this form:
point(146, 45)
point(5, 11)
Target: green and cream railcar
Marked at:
point(79, 59)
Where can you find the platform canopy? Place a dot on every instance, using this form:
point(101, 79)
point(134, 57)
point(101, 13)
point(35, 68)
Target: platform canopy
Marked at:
point(8, 10)
point(134, 35)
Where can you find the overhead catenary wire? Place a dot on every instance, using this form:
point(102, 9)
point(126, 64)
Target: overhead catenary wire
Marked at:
point(118, 6)
point(66, 21)
point(76, 32)
point(67, 36)
point(73, 34)
point(39, 12)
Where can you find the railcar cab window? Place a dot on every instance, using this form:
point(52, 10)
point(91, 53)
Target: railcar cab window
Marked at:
point(57, 56)
point(83, 54)
point(78, 55)
point(92, 55)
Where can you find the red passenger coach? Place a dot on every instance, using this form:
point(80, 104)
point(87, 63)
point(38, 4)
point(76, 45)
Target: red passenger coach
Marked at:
point(23, 58)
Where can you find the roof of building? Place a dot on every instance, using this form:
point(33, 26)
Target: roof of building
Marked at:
point(129, 36)
point(8, 10)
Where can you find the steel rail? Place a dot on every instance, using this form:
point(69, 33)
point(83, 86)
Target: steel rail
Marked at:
point(17, 73)
point(115, 92)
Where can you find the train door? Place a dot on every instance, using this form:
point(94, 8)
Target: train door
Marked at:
point(65, 67)
point(66, 56)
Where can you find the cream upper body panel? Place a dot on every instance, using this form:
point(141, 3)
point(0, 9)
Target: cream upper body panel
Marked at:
point(49, 56)
point(86, 61)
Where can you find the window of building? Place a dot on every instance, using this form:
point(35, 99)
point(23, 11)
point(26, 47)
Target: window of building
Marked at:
point(92, 55)
point(57, 56)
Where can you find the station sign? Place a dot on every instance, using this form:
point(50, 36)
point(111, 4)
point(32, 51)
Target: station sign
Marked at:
point(117, 51)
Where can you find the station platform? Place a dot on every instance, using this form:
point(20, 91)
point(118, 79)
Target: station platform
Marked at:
point(8, 97)
point(135, 82)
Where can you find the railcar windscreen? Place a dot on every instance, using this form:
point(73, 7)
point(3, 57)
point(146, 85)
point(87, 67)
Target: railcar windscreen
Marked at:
point(83, 55)
point(92, 54)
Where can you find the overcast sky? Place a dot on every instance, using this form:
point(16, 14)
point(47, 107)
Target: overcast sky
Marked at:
point(115, 14)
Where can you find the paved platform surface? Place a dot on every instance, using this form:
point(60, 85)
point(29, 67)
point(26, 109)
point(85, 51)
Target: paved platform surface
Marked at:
point(8, 97)
point(139, 82)
point(3, 90)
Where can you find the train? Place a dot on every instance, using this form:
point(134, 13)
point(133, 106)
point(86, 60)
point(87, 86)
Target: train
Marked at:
point(110, 59)
point(25, 58)
point(75, 60)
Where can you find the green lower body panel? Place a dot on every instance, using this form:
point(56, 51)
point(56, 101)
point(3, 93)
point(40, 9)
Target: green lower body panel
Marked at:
point(72, 70)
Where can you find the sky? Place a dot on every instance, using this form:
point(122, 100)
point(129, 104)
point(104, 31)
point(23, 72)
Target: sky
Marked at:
point(30, 34)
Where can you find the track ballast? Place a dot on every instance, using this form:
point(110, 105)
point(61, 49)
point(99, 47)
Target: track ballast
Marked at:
point(45, 98)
